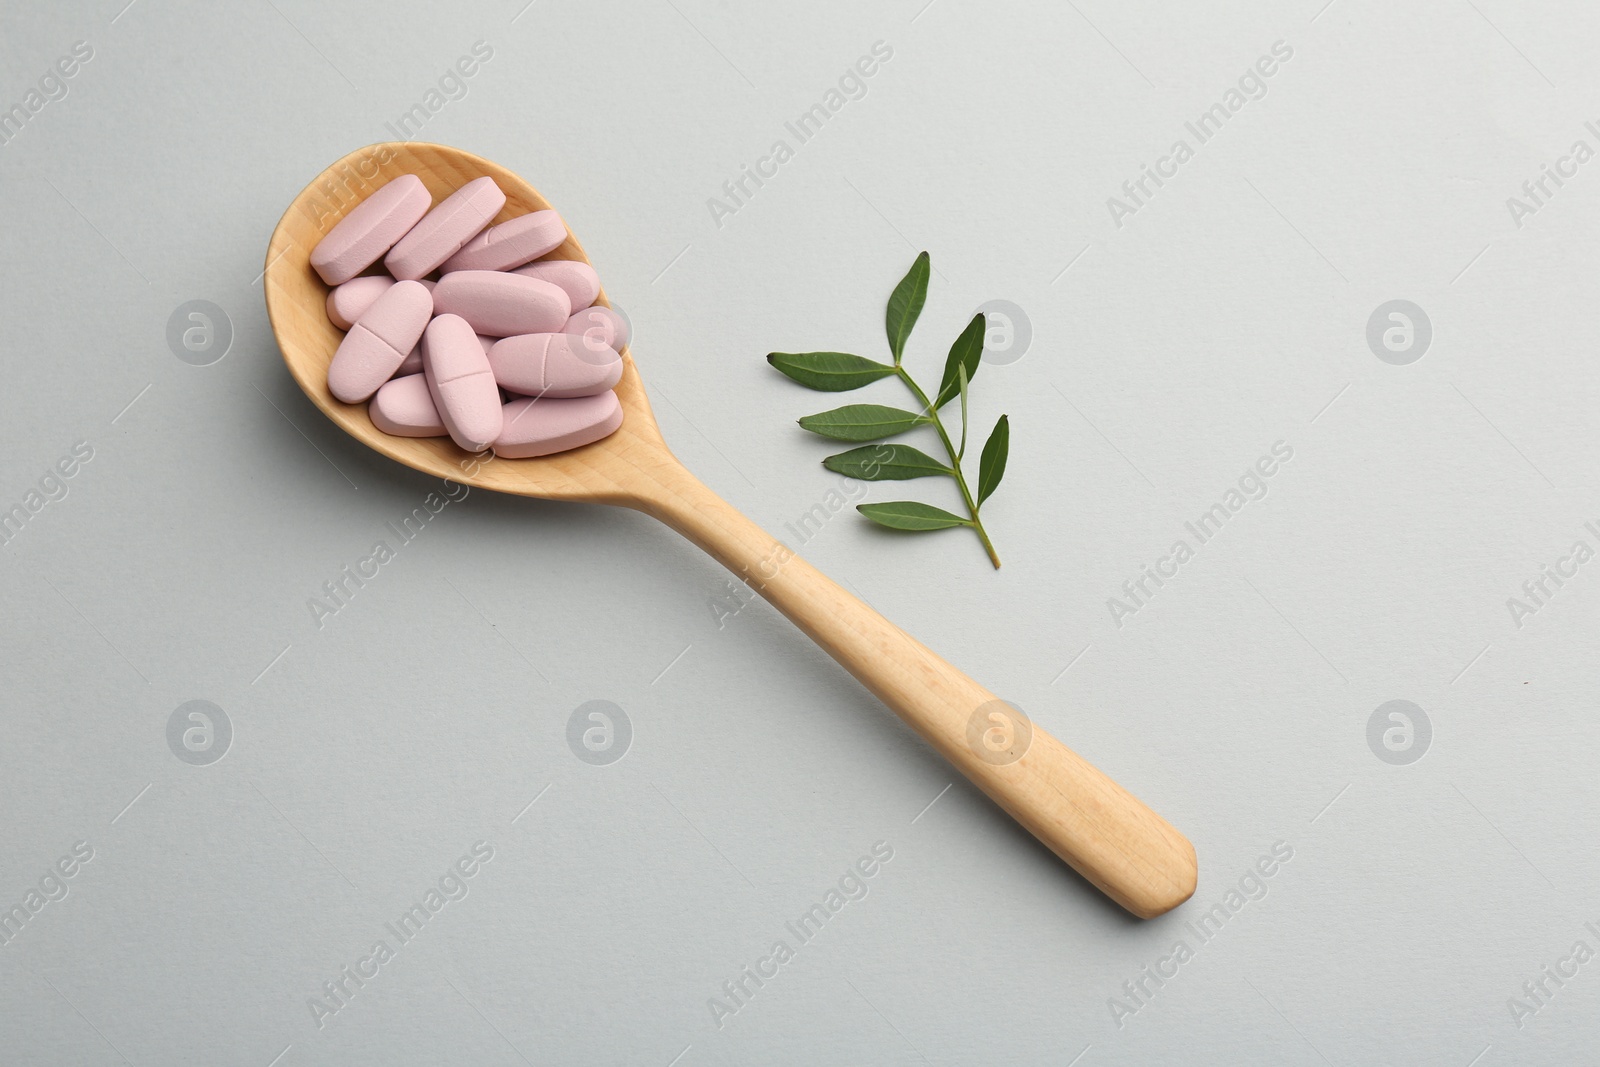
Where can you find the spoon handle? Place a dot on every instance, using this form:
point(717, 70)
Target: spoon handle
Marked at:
point(1111, 838)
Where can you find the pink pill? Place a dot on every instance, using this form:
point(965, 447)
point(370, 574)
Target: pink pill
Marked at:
point(553, 365)
point(462, 385)
point(349, 301)
point(540, 426)
point(511, 243)
point(456, 220)
point(600, 326)
point(536, 426)
point(502, 305)
point(404, 407)
point(413, 363)
point(576, 278)
point(376, 345)
point(372, 226)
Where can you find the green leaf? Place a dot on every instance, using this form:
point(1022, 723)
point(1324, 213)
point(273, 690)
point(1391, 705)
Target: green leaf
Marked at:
point(829, 372)
point(863, 422)
point(910, 515)
point(905, 304)
point(992, 464)
point(966, 353)
point(961, 371)
point(877, 463)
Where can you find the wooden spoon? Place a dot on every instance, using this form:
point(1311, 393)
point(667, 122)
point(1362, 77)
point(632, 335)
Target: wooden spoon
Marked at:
point(1104, 832)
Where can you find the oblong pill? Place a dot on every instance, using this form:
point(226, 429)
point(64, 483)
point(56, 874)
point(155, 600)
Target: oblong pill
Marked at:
point(378, 342)
point(404, 407)
point(502, 305)
point(413, 363)
point(511, 243)
point(554, 365)
point(349, 300)
point(443, 231)
point(575, 278)
point(541, 427)
point(371, 228)
point(463, 387)
point(600, 326)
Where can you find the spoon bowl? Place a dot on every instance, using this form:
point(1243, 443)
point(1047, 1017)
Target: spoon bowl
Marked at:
point(606, 471)
point(1096, 826)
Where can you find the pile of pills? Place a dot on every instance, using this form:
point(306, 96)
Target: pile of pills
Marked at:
point(501, 350)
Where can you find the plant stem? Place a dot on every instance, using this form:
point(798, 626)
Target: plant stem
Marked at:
point(955, 464)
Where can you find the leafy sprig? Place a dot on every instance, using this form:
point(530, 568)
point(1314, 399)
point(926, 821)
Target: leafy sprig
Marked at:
point(835, 372)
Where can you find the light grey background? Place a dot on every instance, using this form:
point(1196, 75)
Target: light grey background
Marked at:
point(1227, 314)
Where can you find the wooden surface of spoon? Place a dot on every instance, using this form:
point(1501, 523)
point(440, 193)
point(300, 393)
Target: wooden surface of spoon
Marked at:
point(1104, 832)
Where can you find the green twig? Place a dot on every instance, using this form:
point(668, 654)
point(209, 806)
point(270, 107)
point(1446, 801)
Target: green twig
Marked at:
point(955, 463)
